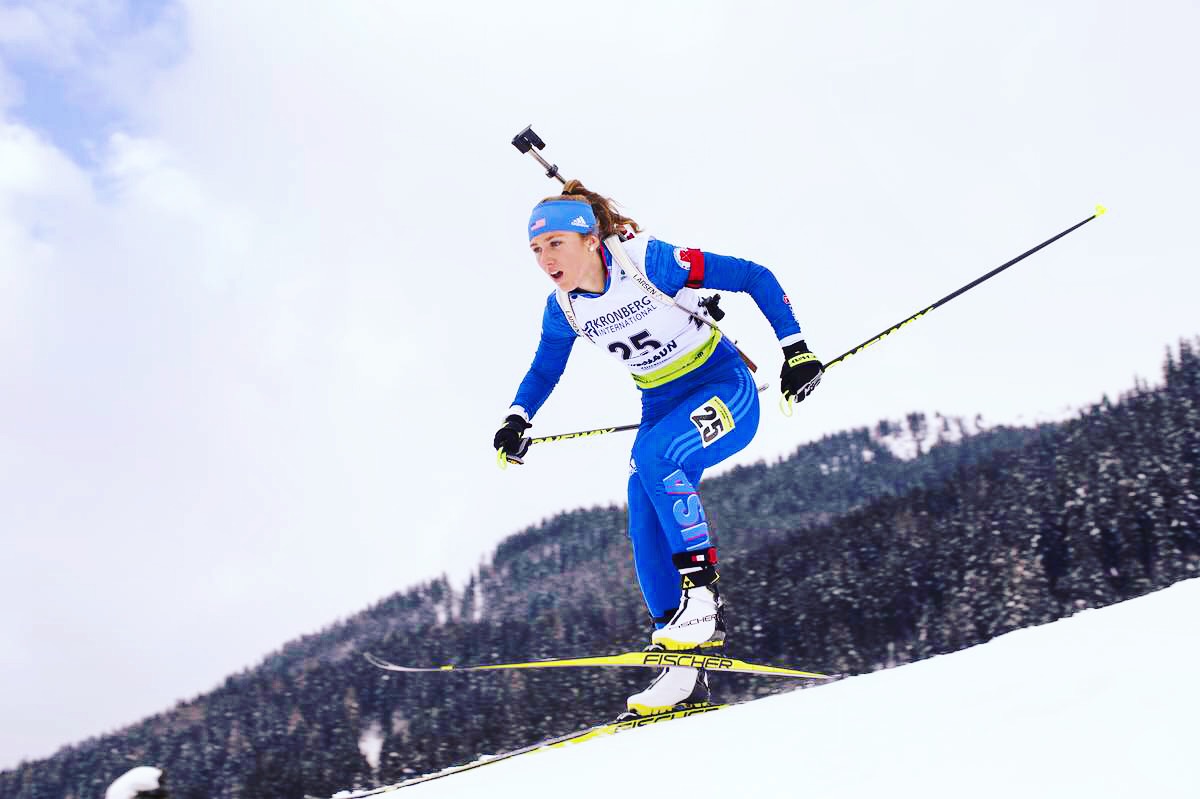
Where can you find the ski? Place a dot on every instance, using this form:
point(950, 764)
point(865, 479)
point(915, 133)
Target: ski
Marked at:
point(579, 736)
point(652, 660)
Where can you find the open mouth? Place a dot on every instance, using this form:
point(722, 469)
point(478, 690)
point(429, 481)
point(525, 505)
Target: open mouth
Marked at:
point(556, 275)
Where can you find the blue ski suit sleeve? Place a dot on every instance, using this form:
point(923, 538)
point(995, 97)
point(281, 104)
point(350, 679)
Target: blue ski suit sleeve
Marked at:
point(550, 360)
point(672, 268)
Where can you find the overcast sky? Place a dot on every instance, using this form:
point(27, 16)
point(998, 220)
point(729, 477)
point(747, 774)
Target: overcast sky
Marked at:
point(265, 292)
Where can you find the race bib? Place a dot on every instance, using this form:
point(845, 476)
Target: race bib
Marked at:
point(712, 420)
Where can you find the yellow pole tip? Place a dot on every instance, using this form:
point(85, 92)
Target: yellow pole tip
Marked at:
point(1101, 210)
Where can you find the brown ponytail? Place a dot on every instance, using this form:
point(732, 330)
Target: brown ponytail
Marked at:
point(610, 220)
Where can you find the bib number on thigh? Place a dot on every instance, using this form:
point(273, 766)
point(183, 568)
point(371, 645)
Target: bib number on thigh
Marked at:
point(712, 420)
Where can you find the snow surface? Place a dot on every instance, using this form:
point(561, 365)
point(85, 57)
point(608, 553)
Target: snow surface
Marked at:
point(906, 443)
point(133, 782)
point(1103, 704)
point(370, 743)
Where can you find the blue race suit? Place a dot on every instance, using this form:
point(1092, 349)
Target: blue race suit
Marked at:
point(691, 421)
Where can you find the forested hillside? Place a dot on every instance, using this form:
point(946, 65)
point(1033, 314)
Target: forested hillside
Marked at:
point(842, 557)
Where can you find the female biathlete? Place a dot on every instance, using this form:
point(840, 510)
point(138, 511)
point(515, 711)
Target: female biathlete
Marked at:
point(699, 401)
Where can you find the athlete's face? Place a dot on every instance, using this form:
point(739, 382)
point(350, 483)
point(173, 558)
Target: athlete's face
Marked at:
point(569, 259)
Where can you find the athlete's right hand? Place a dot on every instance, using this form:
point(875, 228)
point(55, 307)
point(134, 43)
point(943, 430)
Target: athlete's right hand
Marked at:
point(510, 439)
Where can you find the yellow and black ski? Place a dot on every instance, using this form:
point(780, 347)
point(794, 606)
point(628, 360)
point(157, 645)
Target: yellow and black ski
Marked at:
point(652, 660)
point(579, 736)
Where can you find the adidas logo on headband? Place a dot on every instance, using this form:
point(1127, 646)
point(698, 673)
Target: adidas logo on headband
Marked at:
point(574, 216)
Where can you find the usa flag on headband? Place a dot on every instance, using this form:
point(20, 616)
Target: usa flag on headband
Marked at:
point(538, 224)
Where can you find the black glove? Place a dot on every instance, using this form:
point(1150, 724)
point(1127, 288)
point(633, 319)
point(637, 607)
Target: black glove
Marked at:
point(801, 372)
point(511, 438)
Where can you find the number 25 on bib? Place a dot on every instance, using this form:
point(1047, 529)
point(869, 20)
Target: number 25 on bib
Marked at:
point(712, 420)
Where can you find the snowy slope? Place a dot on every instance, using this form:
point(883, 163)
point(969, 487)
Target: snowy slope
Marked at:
point(1104, 704)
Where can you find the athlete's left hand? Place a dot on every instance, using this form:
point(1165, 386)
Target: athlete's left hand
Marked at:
point(801, 372)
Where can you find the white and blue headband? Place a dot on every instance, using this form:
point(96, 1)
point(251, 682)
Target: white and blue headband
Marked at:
point(575, 216)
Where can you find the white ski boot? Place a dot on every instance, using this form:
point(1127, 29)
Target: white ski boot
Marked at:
point(674, 686)
point(699, 621)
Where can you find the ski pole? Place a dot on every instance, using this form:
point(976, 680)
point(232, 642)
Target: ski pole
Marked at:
point(787, 405)
point(503, 458)
point(529, 142)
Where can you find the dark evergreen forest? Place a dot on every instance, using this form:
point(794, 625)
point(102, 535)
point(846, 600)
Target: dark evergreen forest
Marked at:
point(839, 558)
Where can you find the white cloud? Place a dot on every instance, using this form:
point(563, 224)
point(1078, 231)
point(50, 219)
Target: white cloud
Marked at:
point(11, 91)
point(33, 169)
point(92, 61)
point(36, 183)
point(53, 33)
